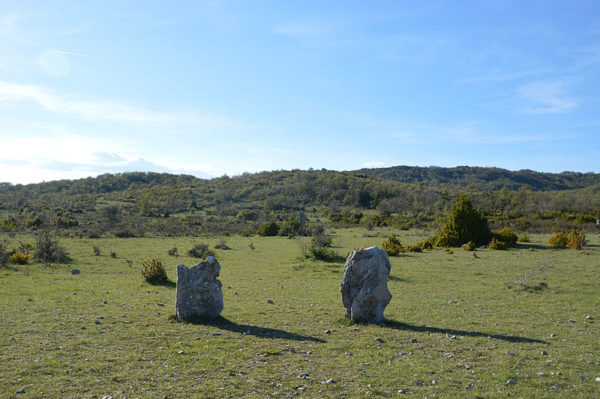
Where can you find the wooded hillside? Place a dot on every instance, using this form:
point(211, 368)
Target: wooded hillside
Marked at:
point(133, 204)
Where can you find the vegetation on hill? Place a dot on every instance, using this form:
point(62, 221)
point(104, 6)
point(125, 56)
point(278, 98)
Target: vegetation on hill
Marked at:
point(136, 204)
point(484, 178)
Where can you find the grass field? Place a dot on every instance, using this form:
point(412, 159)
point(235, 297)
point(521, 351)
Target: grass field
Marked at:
point(516, 323)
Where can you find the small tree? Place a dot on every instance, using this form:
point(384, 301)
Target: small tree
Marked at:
point(577, 240)
point(268, 229)
point(392, 245)
point(48, 249)
point(464, 223)
point(153, 271)
point(560, 239)
point(3, 255)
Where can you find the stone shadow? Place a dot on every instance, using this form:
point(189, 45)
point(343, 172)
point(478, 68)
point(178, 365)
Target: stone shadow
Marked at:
point(410, 327)
point(246, 329)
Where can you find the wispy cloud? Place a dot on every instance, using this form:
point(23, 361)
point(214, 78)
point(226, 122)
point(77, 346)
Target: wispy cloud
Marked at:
point(545, 98)
point(374, 164)
point(108, 110)
point(82, 27)
point(502, 76)
point(72, 156)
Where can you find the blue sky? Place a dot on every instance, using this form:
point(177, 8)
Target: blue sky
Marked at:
point(225, 87)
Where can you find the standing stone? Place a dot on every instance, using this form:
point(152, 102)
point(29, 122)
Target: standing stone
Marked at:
point(364, 286)
point(199, 292)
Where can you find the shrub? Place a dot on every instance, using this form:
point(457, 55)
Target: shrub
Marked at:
point(470, 246)
point(319, 246)
point(96, 250)
point(577, 240)
point(113, 254)
point(392, 245)
point(48, 249)
point(222, 244)
point(173, 251)
point(247, 233)
point(463, 224)
point(523, 237)
point(153, 271)
point(506, 235)
point(497, 244)
point(426, 244)
point(268, 229)
point(4, 255)
point(251, 246)
point(19, 258)
point(560, 239)
point(200, 251)
point(414, 248)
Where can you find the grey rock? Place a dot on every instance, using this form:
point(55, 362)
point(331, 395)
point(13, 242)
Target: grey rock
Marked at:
point(20, 391)
point(75, 271)
point(199, 292)
point(364, 289)
point(511, 381)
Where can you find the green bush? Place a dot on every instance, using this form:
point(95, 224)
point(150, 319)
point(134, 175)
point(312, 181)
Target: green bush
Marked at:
point(497, 244)
point(392, 245)
point(523, 237)
point(200, 251)
point(506, 235)
point(470, 246)
point(426, 244)
point(173, 251)
point(463, 224)
point(577, 240)
point(560, 239)
point(4, 255)
point(414, 248)
point(269, 229)
point(19, 258)
point(153, 271)
point(96, 250)
point(222, 244)
point(48, 249)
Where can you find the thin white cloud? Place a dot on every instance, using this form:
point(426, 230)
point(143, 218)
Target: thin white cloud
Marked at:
point(70, 156)
point(545, 98)
point(77, 29)
point(107, 110)
point(375, 164)
point(502, 76)
point(74, 54)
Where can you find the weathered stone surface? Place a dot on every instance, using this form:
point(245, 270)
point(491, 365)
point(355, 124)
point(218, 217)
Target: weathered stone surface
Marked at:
point(364, 287)
point(199, 292)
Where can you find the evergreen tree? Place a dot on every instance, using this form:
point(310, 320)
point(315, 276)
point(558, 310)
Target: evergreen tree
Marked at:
point(465, 223)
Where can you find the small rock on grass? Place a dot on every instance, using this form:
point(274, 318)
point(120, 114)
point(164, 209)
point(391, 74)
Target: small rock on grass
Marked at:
point(511, 381)
point(270, 301)
point(20, 391)
point(598, 379)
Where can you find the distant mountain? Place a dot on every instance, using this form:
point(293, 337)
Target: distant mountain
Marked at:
point(484, 178)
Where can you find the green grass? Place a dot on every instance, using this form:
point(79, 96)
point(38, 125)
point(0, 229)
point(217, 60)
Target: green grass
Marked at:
point(469, 324)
